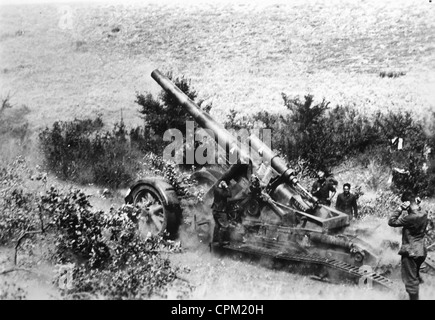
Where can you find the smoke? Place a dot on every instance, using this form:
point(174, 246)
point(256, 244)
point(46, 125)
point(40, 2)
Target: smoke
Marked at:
point(196, 231)
point(223, 278)
point(385, 239)
point(240, 277)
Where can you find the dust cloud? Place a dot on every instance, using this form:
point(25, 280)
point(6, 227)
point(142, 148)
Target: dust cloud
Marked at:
point(224, 277)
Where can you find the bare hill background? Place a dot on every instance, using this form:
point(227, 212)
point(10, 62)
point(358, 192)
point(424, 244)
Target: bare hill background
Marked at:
point(66, 61)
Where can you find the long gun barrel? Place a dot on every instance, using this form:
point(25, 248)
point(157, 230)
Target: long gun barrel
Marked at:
point(221, 135)
point(204, 120)
point(286, 193)
point(278, 164)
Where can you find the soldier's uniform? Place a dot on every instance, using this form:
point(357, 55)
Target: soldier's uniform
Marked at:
point(413, 249)
point(220, 215)
point(347, 203)
point(321, 189)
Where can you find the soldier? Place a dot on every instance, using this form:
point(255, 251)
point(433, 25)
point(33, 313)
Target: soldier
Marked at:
point(346, 202)
point(413, 250)
point(221, 195)
point(322, 187)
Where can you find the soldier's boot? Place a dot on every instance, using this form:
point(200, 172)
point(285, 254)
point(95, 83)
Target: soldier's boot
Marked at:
point(223, 238)
point(413, 296)
point(215, 237)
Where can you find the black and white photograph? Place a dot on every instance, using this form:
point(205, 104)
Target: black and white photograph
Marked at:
point(217, 155)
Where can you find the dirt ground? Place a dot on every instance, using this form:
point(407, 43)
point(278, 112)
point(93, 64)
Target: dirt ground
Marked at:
point(217, 276)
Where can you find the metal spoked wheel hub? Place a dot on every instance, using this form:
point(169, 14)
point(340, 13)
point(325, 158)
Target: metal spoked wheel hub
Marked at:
point(152, 217)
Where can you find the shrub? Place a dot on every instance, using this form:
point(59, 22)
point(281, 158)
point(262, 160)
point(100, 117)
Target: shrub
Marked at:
point(184, 185)
point(80, 228)
point(237, 122)
point(308, 133)
point(80, 152)
point(163, 113)
point(19, 211)
point(415, 158)
point(110, 257)
point(323, 138)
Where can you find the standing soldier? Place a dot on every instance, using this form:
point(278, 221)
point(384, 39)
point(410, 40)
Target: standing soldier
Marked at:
point(221, 195)
point(346, 202)
point(413, 250)
point(322, 187)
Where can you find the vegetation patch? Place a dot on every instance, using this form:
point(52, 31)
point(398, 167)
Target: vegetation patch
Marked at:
point(14, 129)
point(391, 74)
point(323, 137)
point(81, 152)
point(106, 254)
point(164, 112)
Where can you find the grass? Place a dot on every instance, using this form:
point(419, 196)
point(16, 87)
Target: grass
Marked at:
point(241, 55)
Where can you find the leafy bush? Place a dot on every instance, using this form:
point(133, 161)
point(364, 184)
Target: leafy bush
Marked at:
point(17, 215)
point(235, 121)
point(185, 187)
point(80, 152)
point(110, 258)
point(163, 113)
point(18, 211)
point(80, 228)
point(322, 138)
point(415, 159)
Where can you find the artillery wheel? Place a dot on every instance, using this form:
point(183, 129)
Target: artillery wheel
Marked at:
point(160, 210)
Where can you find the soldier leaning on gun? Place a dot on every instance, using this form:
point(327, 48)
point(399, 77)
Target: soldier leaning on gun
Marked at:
point(413, 250)
point(322, 187)
point(221, 195)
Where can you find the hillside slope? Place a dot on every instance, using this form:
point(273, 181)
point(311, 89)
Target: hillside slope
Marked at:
point(66, 61)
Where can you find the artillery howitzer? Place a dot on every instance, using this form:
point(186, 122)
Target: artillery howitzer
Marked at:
point(272, 214)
